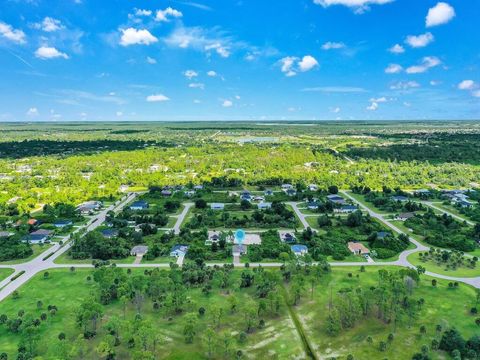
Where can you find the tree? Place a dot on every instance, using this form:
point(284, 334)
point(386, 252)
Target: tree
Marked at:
point(452, 340)
point(89, 312)
point(333, 189)
point(200, 204)
point(210, 339)
point(189, 327)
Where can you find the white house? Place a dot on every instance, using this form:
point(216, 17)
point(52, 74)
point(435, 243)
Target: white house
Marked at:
point(217, 206)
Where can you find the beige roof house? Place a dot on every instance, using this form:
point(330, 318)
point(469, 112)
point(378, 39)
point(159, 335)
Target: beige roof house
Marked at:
point(358, 248)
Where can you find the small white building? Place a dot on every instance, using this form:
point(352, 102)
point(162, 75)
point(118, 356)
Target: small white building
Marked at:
point(217, 206)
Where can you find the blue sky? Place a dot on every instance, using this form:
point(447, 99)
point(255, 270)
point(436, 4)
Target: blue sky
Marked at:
point(67, 60)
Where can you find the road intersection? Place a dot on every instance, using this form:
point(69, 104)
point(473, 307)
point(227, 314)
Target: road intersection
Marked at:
point(23, 272)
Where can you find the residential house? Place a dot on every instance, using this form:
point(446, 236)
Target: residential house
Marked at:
point(249, 239)
point(291, 192)
point(89, 207)
point(60, 224)
point(422, 193)
point(217, 206)
point(287, 186)
point(287, 236)
point(346, 209)
point(39, 237)
point(313, 205)
point(238, 250)
point(400, 198)
point(336, 199)
point(383, 234)
point(178, 251)
point(465, 204)
point(358, 248)
point(313, 187)
point(198, 187)
point(268, 192)
point(32, 222)
point(139, 205)
point(109, 233)
point(139, 250)
point(166, 192)
point(264, 205)
point(405, 216)
point(189, 193)
point(299, 250)
point(6, 234)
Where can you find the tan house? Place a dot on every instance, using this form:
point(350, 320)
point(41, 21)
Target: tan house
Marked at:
point(358, 248)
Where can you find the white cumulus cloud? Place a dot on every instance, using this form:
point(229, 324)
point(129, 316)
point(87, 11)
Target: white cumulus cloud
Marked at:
point(418, 41)
point(15, 35)
point(132, 36)
point(212, 73)
point(46, 52)
point(291, 65)
point(307, 63)
point(227, 103)
point(426, 63)
point(393, 69)
point(157, 98)
point(466, 85)
point(373, 106)
point(165, 15)
point(397, 49)
point(440, 14)
point(49, 24)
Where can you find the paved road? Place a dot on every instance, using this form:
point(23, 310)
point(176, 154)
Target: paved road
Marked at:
point(37, 265)
point(402, 261)
point(181, 217)
point(300, 215)
point(429, 203)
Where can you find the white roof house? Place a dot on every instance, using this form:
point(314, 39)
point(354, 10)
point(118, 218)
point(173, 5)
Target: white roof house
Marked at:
point(264, 205)
point(217, 206)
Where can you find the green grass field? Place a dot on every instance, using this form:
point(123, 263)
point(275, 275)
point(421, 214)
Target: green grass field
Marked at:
point(441, 269)
point(4, 273)
point(448, 307)
point(66, 259)
point(278, 339)
point(67, 290)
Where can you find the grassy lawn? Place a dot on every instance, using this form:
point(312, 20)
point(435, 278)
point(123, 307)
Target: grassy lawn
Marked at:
point(448, 307)
point(160, 260)
point(312, 221)
point(361, 199)
point(37, 250)
point(441, 269)
point(350, 258)
point(67, 290)
point(66, 259)
point(4, 273)
point(419, 238)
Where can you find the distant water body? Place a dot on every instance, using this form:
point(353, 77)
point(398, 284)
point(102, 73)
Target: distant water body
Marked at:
point(283, 124)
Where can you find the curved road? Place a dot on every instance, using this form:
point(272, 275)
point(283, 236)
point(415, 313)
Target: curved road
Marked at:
point(37, 265)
